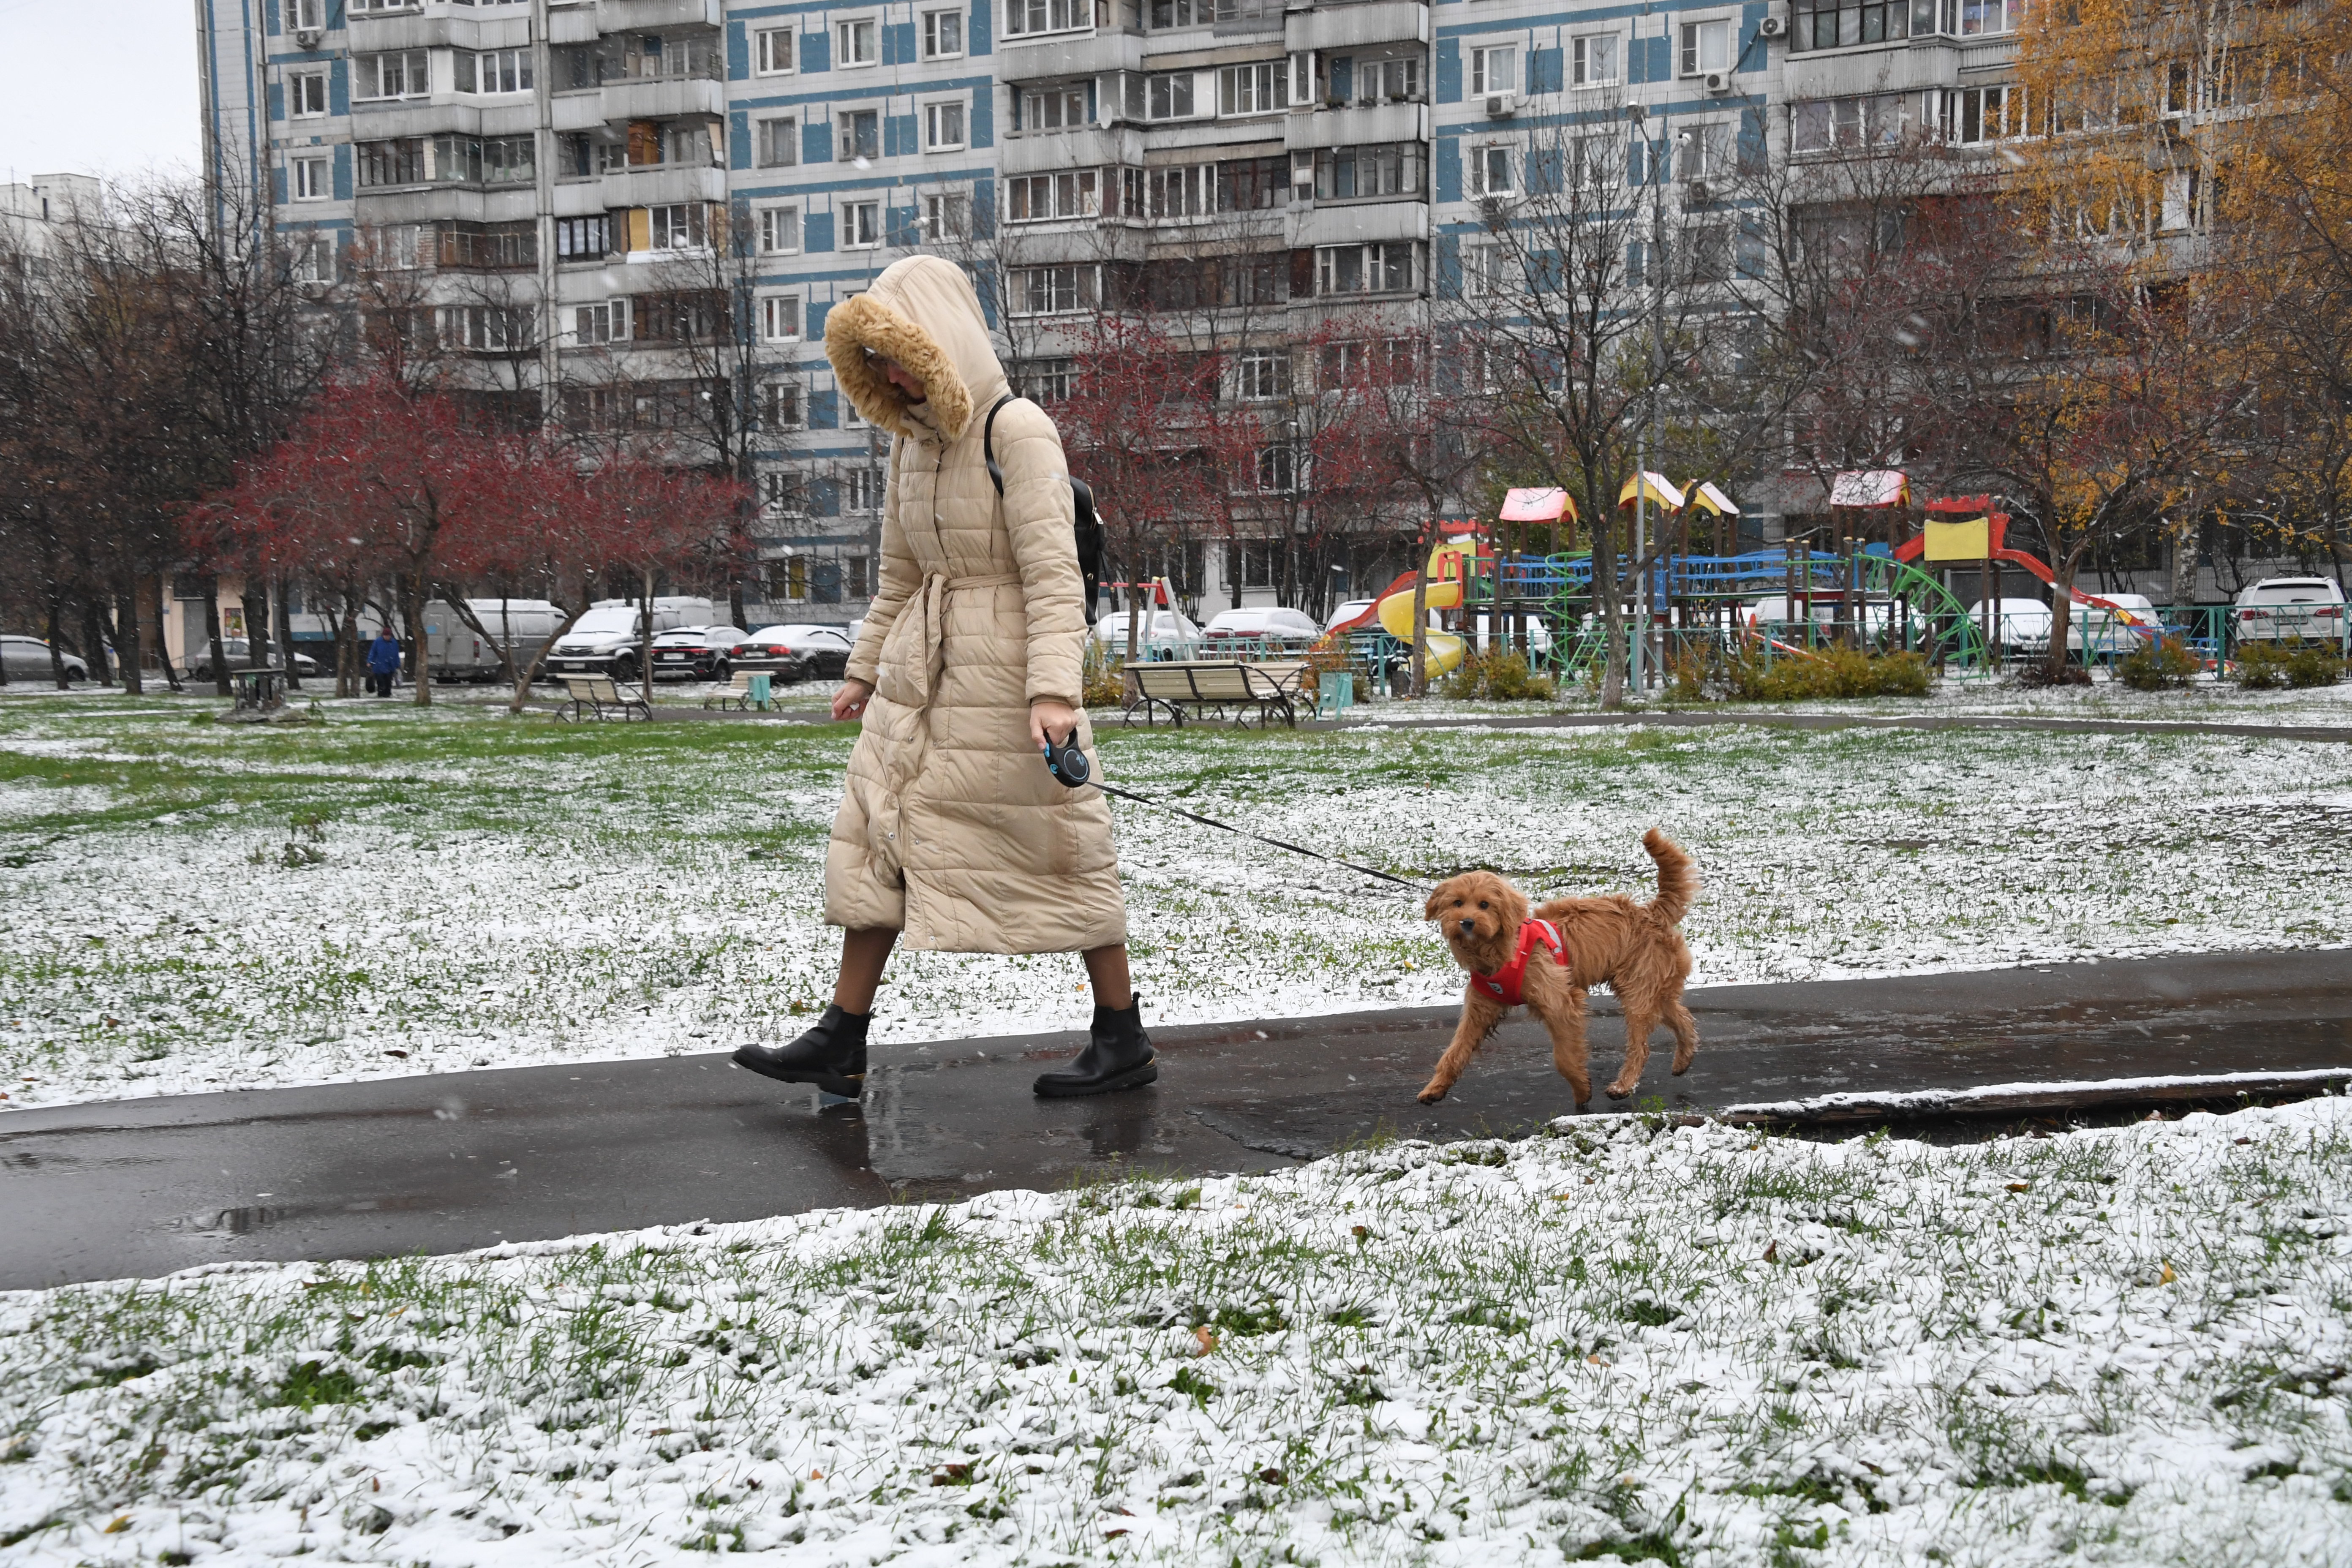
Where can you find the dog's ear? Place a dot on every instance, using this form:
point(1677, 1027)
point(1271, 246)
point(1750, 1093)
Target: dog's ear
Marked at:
point(1514, 903)
point(1438, 900)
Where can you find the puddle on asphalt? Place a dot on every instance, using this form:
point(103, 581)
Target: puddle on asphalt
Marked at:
point(247, 1219)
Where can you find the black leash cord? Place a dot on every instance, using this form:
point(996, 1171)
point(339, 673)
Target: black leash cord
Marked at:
point(1262, 838)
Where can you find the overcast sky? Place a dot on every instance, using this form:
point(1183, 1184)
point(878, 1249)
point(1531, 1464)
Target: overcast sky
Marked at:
point(99, 87)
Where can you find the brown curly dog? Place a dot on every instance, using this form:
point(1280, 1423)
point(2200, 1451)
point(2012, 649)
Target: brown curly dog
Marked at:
point(1633, 949)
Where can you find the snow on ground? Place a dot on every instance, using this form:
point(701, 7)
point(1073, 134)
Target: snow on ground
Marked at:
point(196, 906)
point(1688, 1344)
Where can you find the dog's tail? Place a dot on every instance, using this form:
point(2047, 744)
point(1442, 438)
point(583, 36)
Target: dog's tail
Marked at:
point(1677, 881)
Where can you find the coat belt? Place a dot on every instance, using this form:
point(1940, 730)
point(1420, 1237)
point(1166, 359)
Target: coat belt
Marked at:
point(932, 607)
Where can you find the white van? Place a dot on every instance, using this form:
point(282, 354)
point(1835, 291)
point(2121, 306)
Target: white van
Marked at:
point(2277, 609)
point(2024, 623)
point(604, 640)
point(457, 652)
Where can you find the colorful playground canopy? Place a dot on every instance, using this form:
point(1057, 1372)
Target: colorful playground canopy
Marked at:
point(1660, 491)
point(1545, 504)
point(1704, 494)
point(1871, 488)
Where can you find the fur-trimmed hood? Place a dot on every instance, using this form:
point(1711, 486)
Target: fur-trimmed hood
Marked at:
point(923, 313)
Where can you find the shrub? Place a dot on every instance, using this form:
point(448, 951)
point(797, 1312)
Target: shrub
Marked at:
point(2264, 665)
point(1833, 672)
point(1105, 679)
point(1498, 678)
point(2162, 664)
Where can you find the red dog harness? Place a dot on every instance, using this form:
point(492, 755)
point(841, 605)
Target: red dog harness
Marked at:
point(1504, 985)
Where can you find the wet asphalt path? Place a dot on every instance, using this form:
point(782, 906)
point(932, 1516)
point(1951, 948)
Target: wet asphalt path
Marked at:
point(444, 1163)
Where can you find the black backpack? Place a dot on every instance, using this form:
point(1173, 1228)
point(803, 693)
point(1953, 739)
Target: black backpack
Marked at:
point(1089, 528)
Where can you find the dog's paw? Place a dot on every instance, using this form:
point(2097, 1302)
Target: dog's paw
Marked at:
point(1617, 1093)
point(1431, 1095)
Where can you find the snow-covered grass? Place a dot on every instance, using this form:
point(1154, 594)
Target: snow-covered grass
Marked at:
point(195, 906)
point(1683, 1344)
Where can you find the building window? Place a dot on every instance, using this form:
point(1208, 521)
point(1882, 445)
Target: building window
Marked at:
point(493, 70)
point(404, 73)
point(788, 577)
point(1036, 198)
point(942, 35)
point(1345, 173)
point(781, 492)
point(680, 226)
point(397, 246)
point(861, 225)
point(1987, 114)
point(1837, 24)
point(314, 258)
point(1252, 89)
point(1384, 362)
point(1494, 70)
point(853, 43)
point(1252, 184)
point(608, 323)
point(1053, 290)
point(1490, 171)
point(781, 407)
point(776, 143)
point(306, 94)
point(1595, 61)
point(1262, 374)
point(779, 231)
point(1383, 268)
point(1025, 18)
point(1054, 107)
point(780, 319)
point(1482, 275)
point(948, 216)
point(943, 126)
point(310, 15)
point(772, 51)
point(1168, 97)
point(583, 239)
point(1877, 120)
point(1389, 81)
point(1277, 471)
point(1706, 253)
point(1047, 381)
point(1705, 151)
point(861, 134)
point(312, 179)
point(861, 491)
point(1707, 47)
point(485, 328)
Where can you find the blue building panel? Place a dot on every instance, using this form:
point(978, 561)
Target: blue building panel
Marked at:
point(739, 140)
point(900, 137)
point(1446, 162)
point(816, 232)
point(1544, 71)
point(815, 52)
point(899, 44)
point(739, 52)
point(1449, 70)
point(816, 140)
point(977, 30)
point(981, 123)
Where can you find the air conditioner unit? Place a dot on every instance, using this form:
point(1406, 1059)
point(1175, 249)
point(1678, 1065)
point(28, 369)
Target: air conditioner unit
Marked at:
point(1772, 28)
point(1502, 105)
point(308, 37)
point(1696, 191)
point(1718, 83)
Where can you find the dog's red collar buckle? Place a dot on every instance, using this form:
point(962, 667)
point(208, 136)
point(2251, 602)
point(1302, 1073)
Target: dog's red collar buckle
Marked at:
point(1505, 985)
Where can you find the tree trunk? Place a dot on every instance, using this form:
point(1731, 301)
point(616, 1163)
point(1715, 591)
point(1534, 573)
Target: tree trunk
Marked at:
point(257, 625)
point(126, 641)
point(57, 648)
point(213, 635)
point(523, 684)
point(1613, 620)
point(282, 631)
point(96, 642)
point(473, 624)
point(2062, 605)
point(646, 642)
point(1418, 670)
point(164, 641)
point(420, 653)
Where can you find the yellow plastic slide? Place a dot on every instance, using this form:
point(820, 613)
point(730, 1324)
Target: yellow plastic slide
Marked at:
point(1448, 564)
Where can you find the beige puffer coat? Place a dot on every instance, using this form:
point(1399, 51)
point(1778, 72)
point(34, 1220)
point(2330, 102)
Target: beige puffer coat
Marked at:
point(950, 828)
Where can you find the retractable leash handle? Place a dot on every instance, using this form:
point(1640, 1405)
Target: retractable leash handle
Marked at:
point(1067, 762)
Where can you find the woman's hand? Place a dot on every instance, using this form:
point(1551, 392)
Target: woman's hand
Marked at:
point(849, 703)
point(1048, 718)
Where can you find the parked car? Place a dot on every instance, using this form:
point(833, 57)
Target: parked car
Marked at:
point(457, 652)
point(1274, 625)
point(27, 658)
point(806, 650)
point(1539, 634)
point(2024, 623)
point(2097, 633)
point(1348, 610)
point(604, 640)
point(696, 652)
point(2278, 608)
point(237, 651)
point(1154, 628)
point(1875, 617)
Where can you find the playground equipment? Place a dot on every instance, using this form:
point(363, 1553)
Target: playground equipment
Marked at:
point(1966, 530)
point(1452, 564)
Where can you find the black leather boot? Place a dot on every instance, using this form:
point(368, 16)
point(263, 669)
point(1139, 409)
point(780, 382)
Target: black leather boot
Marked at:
point(1118, 1055)
point(831, 1055)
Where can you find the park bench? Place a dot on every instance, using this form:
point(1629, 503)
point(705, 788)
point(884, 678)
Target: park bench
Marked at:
point(1174, 690)
point(747, 689)
point(601, 696)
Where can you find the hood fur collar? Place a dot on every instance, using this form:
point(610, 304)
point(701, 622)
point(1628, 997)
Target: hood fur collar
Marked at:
point(868, 322)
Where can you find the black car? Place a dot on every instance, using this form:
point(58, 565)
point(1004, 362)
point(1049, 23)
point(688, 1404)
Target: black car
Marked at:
point(696, 652)
point(796, 652)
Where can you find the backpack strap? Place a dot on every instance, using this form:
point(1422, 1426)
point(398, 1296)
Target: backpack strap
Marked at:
point(988, 444)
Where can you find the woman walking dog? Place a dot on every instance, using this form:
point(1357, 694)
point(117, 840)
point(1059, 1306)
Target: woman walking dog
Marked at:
point(952, 830)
